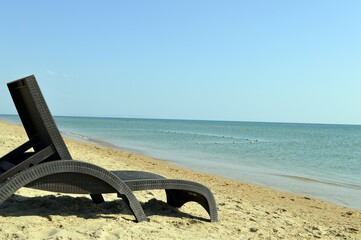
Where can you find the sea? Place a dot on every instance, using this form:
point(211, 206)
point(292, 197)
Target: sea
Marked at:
point(316, 160)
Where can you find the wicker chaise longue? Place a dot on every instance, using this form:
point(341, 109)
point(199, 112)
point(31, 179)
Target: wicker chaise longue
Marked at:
point(44, 163)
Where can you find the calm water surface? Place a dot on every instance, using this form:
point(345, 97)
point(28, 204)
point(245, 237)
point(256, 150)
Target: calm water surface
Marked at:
point(317, 160)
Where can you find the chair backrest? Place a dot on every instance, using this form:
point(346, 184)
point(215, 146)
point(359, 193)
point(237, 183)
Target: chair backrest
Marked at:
point(36, 117)
point(44, 136)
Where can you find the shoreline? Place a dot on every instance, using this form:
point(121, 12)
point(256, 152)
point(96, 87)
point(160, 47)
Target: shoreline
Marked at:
point(278, 181)
point(306, 185)
point(245, 210)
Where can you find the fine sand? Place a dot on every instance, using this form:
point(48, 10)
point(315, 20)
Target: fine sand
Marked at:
point(245, 211)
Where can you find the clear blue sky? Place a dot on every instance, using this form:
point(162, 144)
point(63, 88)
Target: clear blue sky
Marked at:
point(283, 61)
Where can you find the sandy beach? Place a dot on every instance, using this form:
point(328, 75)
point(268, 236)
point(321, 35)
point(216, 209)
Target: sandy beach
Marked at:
point(246, 211)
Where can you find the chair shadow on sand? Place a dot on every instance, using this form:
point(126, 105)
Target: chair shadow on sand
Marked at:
point(83, 207)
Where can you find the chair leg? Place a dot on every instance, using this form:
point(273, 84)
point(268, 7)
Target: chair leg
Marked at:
point(177, 198)
point(97, 198)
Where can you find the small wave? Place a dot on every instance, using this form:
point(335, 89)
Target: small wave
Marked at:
point(86, 139)
point(71, 134)
point(232, 139)
point(321, 181)
point(208, 143)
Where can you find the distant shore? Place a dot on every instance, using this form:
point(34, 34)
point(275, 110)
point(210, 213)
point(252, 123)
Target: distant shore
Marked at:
point(245, 210)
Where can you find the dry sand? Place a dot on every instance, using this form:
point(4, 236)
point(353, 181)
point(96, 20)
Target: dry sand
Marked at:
point(245, 211)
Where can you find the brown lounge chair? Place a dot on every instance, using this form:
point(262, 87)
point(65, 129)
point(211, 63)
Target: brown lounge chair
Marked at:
point(49, 165)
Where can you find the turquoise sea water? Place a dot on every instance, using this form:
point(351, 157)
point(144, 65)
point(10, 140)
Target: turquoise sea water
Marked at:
point(316, 160)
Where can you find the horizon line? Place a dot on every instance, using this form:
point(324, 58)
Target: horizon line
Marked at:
point(188, 119)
